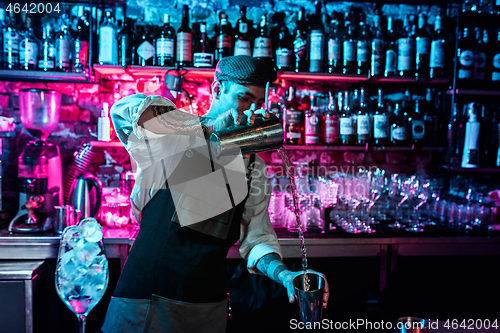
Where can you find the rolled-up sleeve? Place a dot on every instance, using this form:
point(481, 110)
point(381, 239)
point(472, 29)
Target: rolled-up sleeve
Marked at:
point(258, 237)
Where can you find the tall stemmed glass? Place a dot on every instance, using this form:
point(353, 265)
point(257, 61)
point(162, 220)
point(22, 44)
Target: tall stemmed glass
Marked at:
point(420, 192)
point(82, 269)
point(397, 196)
point(377, 185)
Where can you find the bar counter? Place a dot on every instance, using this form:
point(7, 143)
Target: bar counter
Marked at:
point(387, 244)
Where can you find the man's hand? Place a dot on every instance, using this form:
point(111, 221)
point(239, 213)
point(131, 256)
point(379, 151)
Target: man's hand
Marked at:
point(286, 278)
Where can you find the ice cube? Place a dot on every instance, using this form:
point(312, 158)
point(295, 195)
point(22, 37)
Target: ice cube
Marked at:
point(91, 230)
point(72, 237)
point(87, 253)
point(71, 267)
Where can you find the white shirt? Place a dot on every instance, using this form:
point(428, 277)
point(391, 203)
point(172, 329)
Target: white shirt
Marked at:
point(156, 159)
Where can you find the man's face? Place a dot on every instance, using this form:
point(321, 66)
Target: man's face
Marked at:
point(240, 97)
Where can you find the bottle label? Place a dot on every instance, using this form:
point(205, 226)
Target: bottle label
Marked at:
point(262, 47)
point(203, 59)
point(316, 46)
point(466, 58)
point(242, 47)
point(464, 74)
point(423, 45)
point(293, 116)
point(377, 65)
point(223, 41)
point(165, 47)
point(350, 52)
point(418, 129)
point(405, 52)
point(346, 126)
point(495, 76)
point(390, 61)
point(146, 50)
point(10, 42)
point(63, 47)
point(81, 52)
point(399, 133)
point(47, 56)
point(363, 125)
point(480, 60)
point(184, 46)
point(313, 130)
point(283, 58)
point(496, 60)
point(334, 49)
point(293, 135)
point(29, 52)
point(243, 27)
point(380, 126)
point(363, 51)
point(332, 129)
point(106, 36)
point(437, 54)
point(299, 47)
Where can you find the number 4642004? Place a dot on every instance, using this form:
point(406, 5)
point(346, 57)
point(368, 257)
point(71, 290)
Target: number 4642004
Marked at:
point(33, 8)
point(471, 324)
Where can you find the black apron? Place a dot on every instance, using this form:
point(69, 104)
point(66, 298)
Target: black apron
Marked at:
point(173, 269)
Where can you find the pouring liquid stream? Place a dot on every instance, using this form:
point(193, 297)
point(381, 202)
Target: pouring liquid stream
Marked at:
point(291, 175)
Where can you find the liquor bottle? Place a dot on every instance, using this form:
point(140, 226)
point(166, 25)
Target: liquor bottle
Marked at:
point(2, 26)
point(283, 51)
point(331, 132)
point(241, 38)
point(108, 48)
point(363, 47)
point(317, 42)
point(465, 55)
point(363, 120)
point(334, 46)
point(81, 43)
point(300, 42)
point(347, 136)
point(224, 39)
point(46, 61)
point(431, 119)
point(63, 43)
point(380, 122)
point(418, 125)
point(377, 46)
point(406, 50)
point(480, 59)
point(293, 120)
point(350, 65)
point(184, 40)
point(438, 46)
point(165, 43)
point(313, 129)
point(203, 58)
point(11, 39)
point(28, 47)
point(470, 155)
point(423, 45)
point(145, 50)
point(495, 63)
point(399, 126)
point(391, 56)
point(126, 44)
point(262, 47)
point(275, 103)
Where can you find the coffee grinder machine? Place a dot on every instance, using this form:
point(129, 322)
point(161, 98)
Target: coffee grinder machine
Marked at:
point(39, 169)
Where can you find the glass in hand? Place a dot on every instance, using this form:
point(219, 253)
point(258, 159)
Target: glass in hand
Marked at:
point(81, 276)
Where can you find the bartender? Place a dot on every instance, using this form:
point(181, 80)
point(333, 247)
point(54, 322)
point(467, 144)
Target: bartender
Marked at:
point(175, 275)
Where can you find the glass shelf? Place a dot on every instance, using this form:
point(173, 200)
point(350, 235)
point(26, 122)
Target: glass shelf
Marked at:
point(476, 92)
point(474, 170)
point(107, 144)
point(17, 75)
point(363, 148)
point(139, 71)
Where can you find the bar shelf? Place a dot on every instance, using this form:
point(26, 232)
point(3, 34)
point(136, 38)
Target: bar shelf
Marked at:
point(474, 170)
point(148, 71)
point(107, 144)
point(474, 92)
point(16, 75)
point(363, 148)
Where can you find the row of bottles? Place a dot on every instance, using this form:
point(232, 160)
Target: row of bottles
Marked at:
point(347, 45)
point(28, 45)
point(474, 133)
point(349, 119)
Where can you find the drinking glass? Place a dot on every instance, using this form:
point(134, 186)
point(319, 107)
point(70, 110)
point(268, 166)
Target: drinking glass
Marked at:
point(81, 276)
point(396, 195)
point(377, 185)
point(419, 193)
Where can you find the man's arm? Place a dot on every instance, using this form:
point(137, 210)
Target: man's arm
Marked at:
point(166, 119)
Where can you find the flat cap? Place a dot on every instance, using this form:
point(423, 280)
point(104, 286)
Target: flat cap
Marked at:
point(244, 69)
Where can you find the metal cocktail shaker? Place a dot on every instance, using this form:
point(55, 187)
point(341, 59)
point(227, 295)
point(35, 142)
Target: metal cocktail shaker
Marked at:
point(262, 136)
